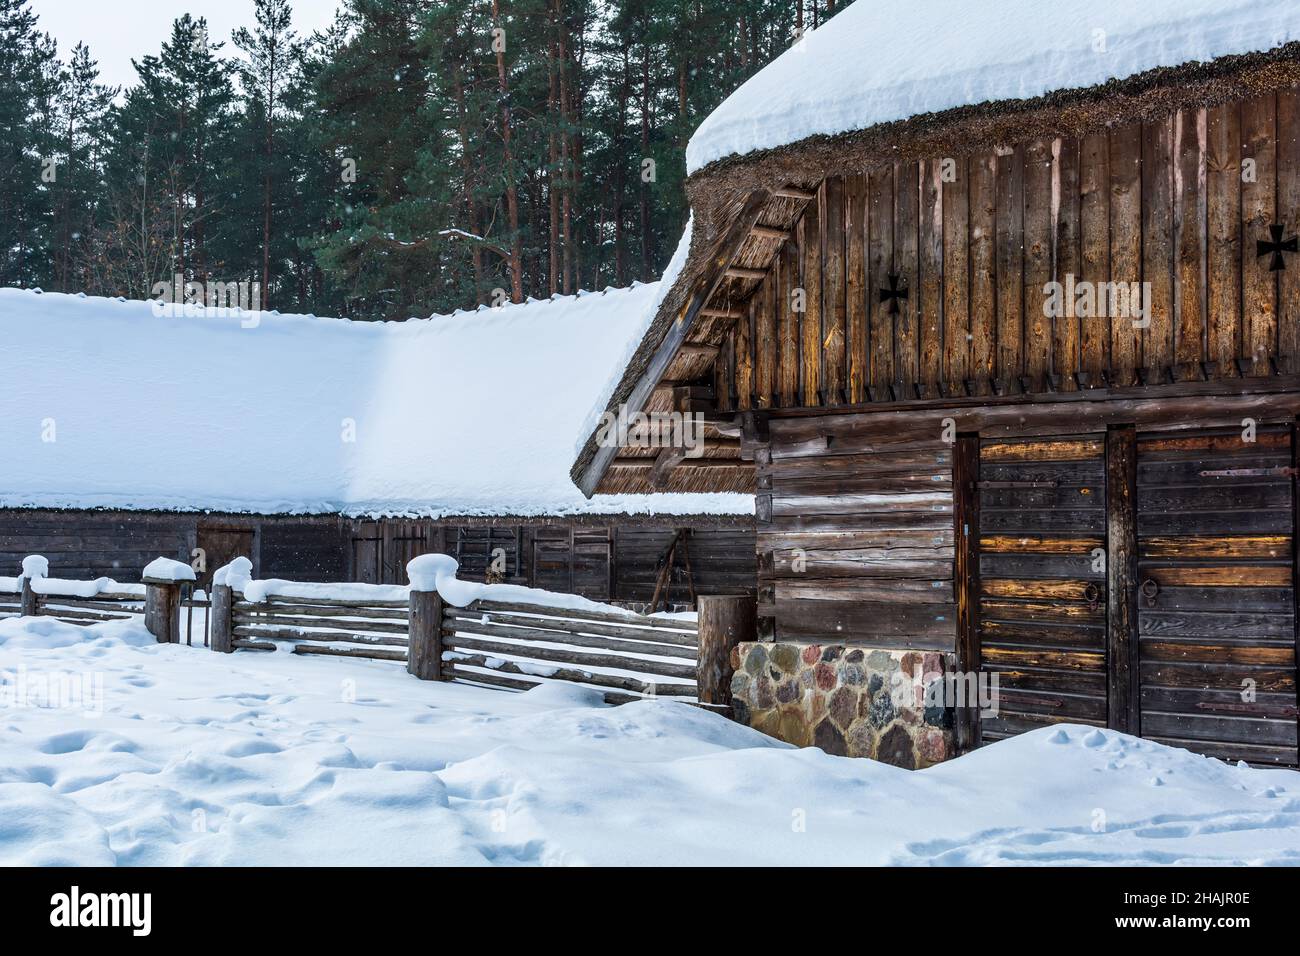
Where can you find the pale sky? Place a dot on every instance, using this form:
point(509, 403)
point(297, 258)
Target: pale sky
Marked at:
point(117, 30)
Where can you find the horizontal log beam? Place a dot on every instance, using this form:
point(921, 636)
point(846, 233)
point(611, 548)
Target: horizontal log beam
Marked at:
point(793, 192)
point(740, 272)
point(769, 232)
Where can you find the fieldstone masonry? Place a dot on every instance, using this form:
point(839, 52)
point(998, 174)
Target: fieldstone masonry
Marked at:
point(847, 700)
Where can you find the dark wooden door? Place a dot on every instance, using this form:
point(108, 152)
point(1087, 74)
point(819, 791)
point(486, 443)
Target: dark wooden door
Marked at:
point(1042, 607)
point(220, 546)
point(1216, 604)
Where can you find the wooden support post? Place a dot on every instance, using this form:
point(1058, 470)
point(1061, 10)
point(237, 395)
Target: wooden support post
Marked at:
point(966, 574)
point(1121, 579)
point(724, 621)
point(27, 603)
point(161, 604)
point(220, 620)
point(424, 638)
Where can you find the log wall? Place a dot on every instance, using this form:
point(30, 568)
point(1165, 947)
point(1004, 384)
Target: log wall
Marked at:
point(855, 546)
point(1178, 203)
point(614, 559)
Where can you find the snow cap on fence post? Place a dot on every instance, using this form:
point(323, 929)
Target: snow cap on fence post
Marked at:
point(162, 594)
point(34, 566)
point(424, 614)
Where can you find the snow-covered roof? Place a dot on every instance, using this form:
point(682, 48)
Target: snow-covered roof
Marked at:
point(878, 61)
point(108, 404)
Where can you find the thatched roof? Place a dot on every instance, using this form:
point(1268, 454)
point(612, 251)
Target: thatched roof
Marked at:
point(763, 190)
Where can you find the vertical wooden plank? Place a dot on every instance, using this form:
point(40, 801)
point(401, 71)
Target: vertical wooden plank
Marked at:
point(1094, 247)
point(1158, 241)
point(765, 337)
point(1038, 261)
point(1121, 580)
point(744, 372)
point(1288, 206)
point(956, 276)
point(983, 278)
point(966, 578)
point(857, 313)
point(1223, 210)
point(810, 345)
point(789, 324)
point(1125, 247)
point(1258, 212)
point(1010, 242)
point(1189, 201)
point(833, 305)
point(930, 265)
point(907, 323)
point(724, 371)
point(880, 246)
point(1065, 256)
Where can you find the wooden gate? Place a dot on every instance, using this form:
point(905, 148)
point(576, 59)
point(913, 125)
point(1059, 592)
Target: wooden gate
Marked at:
point(1216, 605)
point(1042, 608)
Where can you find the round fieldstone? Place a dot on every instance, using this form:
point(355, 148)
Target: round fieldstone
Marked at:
point(787, 692)
point(793, 728)
point(895, 748)
point(874, 684)
point(828, 737)
point(844, 707)
point(785, 657)
point(740, 711)
point(882, 661)
point(811, 654)
point(852, 674)
point(825, 676)
point(855, 656)
point(861, 739)
point(932, 746)
point(832, 653)
point(740, 682)
point(756, 659)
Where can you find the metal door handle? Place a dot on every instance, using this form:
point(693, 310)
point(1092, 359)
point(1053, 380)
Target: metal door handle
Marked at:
point(1149, 591)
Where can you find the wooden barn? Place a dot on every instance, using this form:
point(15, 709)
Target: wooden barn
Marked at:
point(1010, 332)
point(331, 450)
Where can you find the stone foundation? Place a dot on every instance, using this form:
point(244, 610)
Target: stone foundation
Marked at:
point(850, 700)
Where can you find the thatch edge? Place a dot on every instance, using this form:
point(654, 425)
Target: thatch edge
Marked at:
point(958, 131)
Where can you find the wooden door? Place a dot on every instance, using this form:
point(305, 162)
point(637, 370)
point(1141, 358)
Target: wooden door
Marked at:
point(1216, 599)
point(220, 546)
point(1042, 581)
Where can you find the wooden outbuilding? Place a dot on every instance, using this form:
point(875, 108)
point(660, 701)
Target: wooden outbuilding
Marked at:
point(1009, 332)
point(330, 450)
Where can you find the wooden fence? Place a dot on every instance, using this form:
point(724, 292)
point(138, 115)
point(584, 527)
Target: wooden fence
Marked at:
point(514, 644)
point(59, 599)
point(498, 643)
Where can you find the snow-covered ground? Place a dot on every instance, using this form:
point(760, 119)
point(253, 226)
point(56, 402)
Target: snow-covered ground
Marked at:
point(178, 755)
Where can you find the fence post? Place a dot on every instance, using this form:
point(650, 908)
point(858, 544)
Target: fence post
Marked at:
point(220, 621)
point(724, 621)
point(27, 603)
point(424, 639)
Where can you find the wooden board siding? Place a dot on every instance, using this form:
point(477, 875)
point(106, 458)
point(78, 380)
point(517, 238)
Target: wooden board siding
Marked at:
point(855, 547)
point(608, 559)
point(1042, 609)
point(1175, 204)
point(1216, 605)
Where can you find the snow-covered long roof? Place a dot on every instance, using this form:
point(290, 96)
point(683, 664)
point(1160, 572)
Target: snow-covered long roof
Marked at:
point(107, 404)
point(879, 61)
